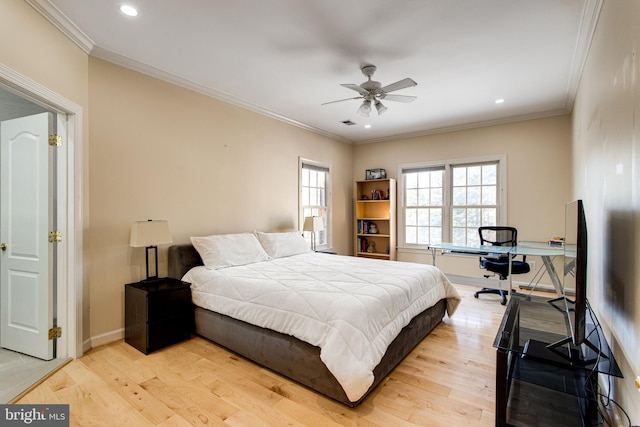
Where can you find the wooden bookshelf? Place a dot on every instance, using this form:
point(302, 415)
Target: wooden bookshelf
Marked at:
point(375, 218)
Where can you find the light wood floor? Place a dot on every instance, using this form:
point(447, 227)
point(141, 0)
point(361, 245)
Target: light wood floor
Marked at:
point(448, 380)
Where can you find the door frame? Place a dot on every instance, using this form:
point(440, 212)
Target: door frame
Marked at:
point(70, 223)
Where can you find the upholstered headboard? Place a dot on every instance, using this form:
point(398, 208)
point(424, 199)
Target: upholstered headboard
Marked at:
point(182, 258)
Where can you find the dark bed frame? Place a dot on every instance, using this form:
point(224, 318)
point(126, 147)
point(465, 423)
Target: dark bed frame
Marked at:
point(290, 356)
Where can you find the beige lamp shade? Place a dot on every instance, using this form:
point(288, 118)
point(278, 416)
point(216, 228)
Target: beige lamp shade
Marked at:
point(149, 233)
point(313, 223)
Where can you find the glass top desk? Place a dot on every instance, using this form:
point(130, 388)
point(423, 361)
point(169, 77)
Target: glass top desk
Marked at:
point(542, 249)
point(547, 254)
point(540, 391)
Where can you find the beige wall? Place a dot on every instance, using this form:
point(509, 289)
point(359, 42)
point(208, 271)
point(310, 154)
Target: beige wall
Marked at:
point(164, 152)
point(32, 47)
point(606, 140)
point(538, 173)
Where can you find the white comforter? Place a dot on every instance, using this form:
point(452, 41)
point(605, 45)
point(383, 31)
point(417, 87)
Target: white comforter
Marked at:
point(352, 308)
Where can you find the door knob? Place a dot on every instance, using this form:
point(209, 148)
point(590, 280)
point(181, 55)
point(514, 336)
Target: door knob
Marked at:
point(3, 246)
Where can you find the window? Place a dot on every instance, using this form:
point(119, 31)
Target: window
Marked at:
point(474, 201)
point(447, 202)
point(315, 197)
point(424, 205)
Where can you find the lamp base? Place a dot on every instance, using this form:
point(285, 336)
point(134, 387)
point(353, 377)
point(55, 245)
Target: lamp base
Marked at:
point(149, 248)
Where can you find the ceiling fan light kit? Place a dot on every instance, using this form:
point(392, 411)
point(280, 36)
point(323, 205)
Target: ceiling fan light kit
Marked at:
point(365, 108)
point(372, 91)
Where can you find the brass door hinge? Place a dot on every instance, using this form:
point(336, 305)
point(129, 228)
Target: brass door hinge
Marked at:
point(55, 332)
point(55, 140)
point(55, 237)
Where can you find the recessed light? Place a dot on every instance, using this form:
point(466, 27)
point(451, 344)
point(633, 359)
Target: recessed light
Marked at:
point(128, 10)
point(499, 101)
point(367, 126)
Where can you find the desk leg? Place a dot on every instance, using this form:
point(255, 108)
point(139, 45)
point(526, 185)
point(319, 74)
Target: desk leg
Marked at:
point(510, 280)
point(548, 264)
point(433, 254)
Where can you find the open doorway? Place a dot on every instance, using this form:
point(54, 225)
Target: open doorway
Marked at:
point(20, 369)
point(20, 97)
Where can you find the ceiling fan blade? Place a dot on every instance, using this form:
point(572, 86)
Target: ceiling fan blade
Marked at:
point(340, 100)
point(400, 98)
point(357, 88)
point(400, 84)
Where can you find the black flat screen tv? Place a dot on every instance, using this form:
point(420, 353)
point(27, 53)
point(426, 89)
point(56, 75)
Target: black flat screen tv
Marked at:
point(575, 268)
point(576, 309)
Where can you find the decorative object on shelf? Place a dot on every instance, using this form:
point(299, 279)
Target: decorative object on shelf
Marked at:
point(373, 228)
point(376, 174)
point(313, 224)
point(371, 248)
point(149, 234)
point(378, 195)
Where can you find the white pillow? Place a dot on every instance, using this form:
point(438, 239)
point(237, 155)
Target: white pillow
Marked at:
point(278, 245)
point(226, 250)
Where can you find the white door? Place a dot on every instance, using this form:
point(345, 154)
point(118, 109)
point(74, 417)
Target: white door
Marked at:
point(26, 299)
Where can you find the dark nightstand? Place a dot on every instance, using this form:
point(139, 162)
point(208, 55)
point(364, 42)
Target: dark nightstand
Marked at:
point(157, 313)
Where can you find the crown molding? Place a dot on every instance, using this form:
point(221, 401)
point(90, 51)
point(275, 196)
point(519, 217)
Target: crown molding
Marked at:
point(467, 126)
point(62, 23)
point(154, 72)
point(589, 20)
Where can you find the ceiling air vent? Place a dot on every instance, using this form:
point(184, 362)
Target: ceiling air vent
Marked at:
point(348, 122)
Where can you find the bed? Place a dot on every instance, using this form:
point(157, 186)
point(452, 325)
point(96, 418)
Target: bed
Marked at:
point(250, 330)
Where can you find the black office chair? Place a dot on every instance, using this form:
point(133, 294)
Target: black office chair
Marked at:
point(500, 236)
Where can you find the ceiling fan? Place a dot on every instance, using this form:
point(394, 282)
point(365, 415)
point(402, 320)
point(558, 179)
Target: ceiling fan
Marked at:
point(372, 92)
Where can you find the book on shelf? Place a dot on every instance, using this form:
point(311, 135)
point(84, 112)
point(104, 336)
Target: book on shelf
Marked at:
point(363, 243)
point(367, 227)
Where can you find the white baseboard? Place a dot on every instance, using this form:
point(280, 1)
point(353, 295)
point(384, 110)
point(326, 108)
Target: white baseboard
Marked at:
point(106, 338)
point(492, 283)
point(479, 282)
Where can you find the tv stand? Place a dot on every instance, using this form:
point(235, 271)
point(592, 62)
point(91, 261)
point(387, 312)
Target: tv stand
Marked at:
point(537, 367)
point(541, 351)
point(572, 356)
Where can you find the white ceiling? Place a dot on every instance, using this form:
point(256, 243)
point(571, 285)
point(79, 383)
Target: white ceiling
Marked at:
point(284, 58)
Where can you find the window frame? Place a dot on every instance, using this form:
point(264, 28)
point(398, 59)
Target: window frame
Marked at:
point(313, 164)
point(447, 208)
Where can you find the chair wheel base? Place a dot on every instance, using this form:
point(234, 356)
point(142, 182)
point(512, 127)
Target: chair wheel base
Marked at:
point(500, 292)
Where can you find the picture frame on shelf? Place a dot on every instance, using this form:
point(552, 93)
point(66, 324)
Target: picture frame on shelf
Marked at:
point(376, 174)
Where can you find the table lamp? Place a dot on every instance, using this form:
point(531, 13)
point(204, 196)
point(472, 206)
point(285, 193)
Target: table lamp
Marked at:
point(313, 224)
point(150, 234)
